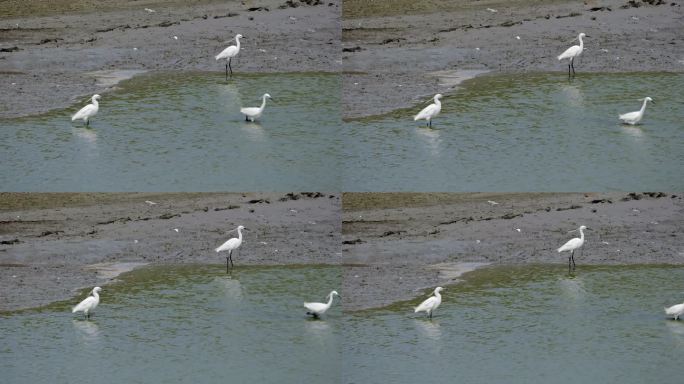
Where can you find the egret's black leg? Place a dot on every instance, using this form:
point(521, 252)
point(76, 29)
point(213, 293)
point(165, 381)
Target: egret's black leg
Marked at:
point(569, 266)
point(572, 64)
point(573, 260)
point(226, 264)
point(226, 72)
point(231, 68)
point(230, 255)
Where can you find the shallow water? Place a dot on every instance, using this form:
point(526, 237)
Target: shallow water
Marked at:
point(184, 325)
point(183, 132)
point(529, 132)
point(528, 324)
point(501, 324)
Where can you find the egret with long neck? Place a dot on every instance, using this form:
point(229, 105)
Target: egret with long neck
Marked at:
point(573, 52)
point(229, 53)
point(253, 113)
point(317, 309)
point(430, 111)
point(636, 116)
point(89, 303)
point(231, 245)
point(572, 245)
point(431, 303)
point(88, 111)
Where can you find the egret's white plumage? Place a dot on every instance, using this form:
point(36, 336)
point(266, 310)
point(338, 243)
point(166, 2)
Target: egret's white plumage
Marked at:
point(636, 116)
point(229, 53)
point(88, 111)
point(572, 52)
point(317, 309)
point(675, 311)
point(572, 245)
point(430, 111)
point(89, 303)
point(430, 304)
point(231, 245)
point(253, 113)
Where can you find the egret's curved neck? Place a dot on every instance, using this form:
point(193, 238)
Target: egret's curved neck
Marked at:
point(94, 100)
point(581, 42)
point(581, 234)
point(437, 101)
point(240, 234)
point(643, 106)
point(237, 41)
point(96, 295)
point(263, 102)
point(330, 300)
point(438, 295)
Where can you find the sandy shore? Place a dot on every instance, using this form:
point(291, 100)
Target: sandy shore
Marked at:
point(52, 54)
point(402, 244)
point(394, 52)
point(51, 245)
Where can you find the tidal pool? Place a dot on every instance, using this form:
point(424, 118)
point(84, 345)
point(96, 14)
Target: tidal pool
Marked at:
point(185, 324)
point(182, 132)
point(524, 133)
point(528, 324)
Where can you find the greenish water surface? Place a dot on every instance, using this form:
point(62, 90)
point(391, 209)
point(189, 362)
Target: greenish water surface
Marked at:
point(183, 132)
point(528, 324)
point(527, 133)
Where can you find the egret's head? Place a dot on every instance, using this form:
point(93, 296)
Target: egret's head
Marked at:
point(97, 289)
point(438, 96)
point(96, 97)
point(239, 36)
point(583, 227)
point(241, 227)
point(439, 289)
point(333, 293)
point(266, 95)
point(648, 99)
point(582, 34)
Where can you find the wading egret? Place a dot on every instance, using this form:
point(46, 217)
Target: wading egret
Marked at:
point(572, 245)
point(231, 245)
point(636, 116)
point(229, 53)
point(317, 309)
point(89, 303)
point(430, 304)
point(675, 311)
point(253, 113)
point(573, 52)
point(88, 111)
point(430, 111)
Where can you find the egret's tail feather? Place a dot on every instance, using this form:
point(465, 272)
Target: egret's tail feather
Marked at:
point(415, 310)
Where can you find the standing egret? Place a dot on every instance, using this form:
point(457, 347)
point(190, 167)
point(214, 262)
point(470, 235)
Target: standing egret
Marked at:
point(229, 53)
point(636, 116)
point(572, 245)
point(253, 113)
point(430, 111)
point(573, 52)
point(89, 303)
point(88, 111)
point(317, 309)
point(231, 245)
point(431, 303)
point(675, 310)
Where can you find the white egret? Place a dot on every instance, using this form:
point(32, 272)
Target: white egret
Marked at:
point(89, 303)
point(572, 245)
point(317, 309)
point(253, 113)
point(675, 311)
point(231, 245)
point(430, 304)
point(636, 116)
point(229, 53)
point(573, 52)
point(88, 111)
point(430, 111)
